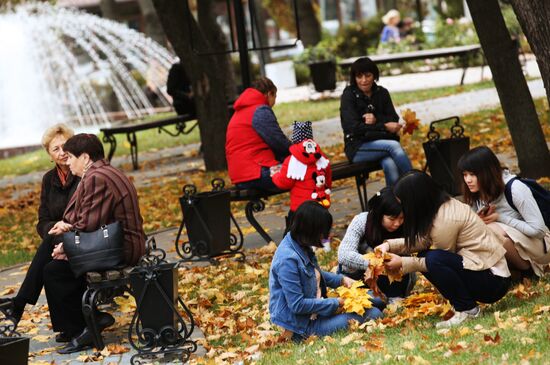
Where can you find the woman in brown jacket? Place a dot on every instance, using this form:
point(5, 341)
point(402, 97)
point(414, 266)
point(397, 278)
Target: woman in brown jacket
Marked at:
point(104, 195)
point(458, 254)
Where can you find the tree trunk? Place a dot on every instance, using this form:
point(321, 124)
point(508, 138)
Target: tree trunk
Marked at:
point(207, 74)
point(153, 28)
point(533, 17)
point(216, 38)
point(108, 9)
point(515, 97)
point(310, 28)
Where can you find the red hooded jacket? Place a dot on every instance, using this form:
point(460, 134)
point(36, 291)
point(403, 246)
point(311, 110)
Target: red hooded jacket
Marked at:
point(307, 159)
point(245, 150)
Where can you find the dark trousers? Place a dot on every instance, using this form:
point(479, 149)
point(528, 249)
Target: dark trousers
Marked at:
point(64, 293)
point(460, 286)
point(263, 183)
point(34, 281)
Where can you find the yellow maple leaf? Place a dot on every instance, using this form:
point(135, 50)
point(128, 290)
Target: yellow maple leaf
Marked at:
point(41, 338)
point(356, 299)
point(376, 268)
point(126, 304)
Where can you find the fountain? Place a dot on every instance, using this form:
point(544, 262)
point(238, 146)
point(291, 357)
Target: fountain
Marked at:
point(62, 65)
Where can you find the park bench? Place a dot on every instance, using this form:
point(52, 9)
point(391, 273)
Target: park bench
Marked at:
point(255, 199)
point(103, 287)
point(340, 170)
point(463, 52)
point(130, 129)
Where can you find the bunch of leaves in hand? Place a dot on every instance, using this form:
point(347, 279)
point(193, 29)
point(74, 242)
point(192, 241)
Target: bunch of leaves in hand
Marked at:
point(377, 268)
point(356, 298)
point(411, 121)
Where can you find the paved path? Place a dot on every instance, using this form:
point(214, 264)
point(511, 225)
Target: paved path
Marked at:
point(178, 159)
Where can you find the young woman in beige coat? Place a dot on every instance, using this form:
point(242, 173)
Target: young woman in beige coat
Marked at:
point(458, 253)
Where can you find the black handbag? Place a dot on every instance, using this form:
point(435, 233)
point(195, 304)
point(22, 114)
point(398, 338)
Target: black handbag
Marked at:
point(99, 250)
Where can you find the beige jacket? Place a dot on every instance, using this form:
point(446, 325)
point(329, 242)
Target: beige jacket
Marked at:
point(456, 228)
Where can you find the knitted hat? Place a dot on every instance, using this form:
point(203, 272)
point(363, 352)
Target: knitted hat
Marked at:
point(301, 131)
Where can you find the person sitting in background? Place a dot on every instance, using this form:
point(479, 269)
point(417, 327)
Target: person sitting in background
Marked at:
point(390, 32)
point(58, 186)
point(525, 235)
point(405, 27)
point(298, 287)
point(105, 195)
point(255, 144)
point(370, 122)
point(368, 230)
point(179, 88)
point(306, 172)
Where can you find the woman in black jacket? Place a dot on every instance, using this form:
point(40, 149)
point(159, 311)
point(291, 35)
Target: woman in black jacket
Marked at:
point(370, 122)
point(58, 185)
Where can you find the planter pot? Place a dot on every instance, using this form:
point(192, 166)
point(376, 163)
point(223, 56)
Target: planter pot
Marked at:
point(323, 75)
point(14, 350)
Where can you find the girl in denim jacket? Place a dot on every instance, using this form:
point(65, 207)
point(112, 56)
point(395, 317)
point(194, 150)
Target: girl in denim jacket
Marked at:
point(293, 286)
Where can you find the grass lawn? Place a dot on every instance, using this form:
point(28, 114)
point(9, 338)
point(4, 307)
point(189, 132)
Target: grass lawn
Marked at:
point(230, 304)
point(151, 140)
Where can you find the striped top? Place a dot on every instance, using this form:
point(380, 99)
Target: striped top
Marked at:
point(106, 195)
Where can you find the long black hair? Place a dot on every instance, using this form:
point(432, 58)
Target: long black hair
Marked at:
point(483, 163)
point(381, 204)
point(420, 199)
point(311, 223)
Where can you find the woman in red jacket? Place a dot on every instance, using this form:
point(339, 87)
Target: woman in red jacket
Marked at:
point(254, 141)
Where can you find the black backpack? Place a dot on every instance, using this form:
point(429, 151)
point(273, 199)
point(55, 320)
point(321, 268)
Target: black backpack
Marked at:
point(541, 195)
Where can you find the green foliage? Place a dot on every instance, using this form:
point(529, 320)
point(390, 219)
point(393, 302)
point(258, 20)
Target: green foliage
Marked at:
point(281, 13)
point(356, 39)
point(511, 20)
point(451, 32)
point(322, 51)
point(302, 73)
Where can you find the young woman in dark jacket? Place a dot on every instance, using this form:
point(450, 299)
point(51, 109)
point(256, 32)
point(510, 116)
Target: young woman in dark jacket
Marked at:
point(58, 185)
point(370, 122)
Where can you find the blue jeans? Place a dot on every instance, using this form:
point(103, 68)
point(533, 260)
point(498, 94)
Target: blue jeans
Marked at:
point(325, 326)
point(393, 159)
point(460, 286)
point(263, 183)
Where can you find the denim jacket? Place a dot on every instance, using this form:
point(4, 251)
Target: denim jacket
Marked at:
point(293, 287)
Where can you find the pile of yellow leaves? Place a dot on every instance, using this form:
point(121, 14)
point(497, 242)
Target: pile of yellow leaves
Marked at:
point(377, 268)
point(356, 298)
point(411, 121)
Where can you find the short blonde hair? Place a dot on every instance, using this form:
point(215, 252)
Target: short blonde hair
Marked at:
point(53, 131)
point(390, 15)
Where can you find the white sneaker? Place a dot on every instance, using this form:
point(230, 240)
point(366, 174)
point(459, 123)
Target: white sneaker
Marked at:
point(459, 317)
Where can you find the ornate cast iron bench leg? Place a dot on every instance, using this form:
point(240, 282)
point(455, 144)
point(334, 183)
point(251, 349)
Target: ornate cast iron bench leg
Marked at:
point(255, 206)
point(109, 138)
point(89, 309)
point(131, 136)
point(361, 183)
